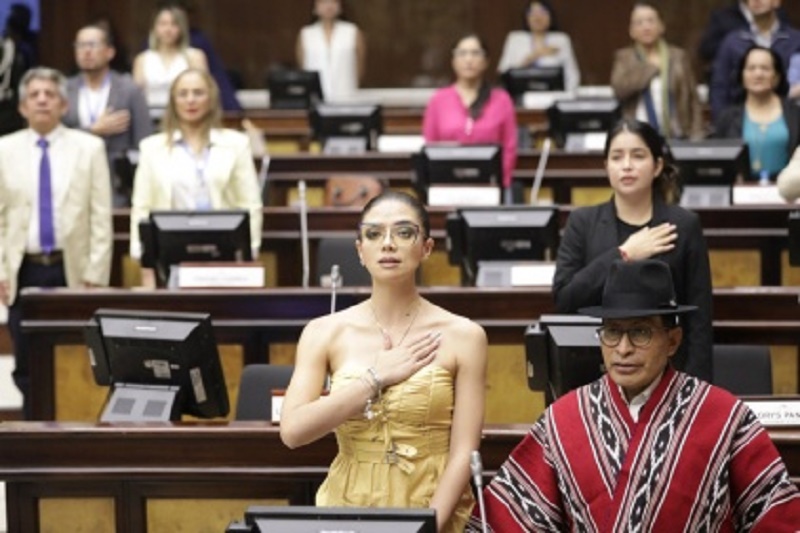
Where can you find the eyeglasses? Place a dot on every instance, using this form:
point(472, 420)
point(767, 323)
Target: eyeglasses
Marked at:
point(467, 52)
point(91, 45)
point(404, 234)
point(640, 336)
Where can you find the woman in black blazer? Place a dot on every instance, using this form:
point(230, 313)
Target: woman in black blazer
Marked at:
point(639, 222)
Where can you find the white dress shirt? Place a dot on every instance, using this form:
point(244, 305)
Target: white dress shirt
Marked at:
point(57, 184)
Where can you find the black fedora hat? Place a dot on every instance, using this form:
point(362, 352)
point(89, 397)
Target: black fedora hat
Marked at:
point(637, 288)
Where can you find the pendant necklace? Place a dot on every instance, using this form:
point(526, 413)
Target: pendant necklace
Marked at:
point(385, 331)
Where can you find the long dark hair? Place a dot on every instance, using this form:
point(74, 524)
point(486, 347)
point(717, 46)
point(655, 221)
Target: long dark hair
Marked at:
point(667, 184)
point(782, 89)
point(405, 198)
point(485, 90)
point(549, 7)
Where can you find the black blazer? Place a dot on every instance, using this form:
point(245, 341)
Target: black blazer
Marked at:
point(589, 246)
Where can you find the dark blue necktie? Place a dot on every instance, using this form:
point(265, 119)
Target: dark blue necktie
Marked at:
point(46, 232)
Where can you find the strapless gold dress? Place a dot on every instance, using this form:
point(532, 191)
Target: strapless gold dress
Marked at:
point(396, 459)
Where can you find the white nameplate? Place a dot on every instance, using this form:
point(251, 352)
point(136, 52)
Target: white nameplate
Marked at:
point(220, 275)
point(463, 195)
point(776, 412)
point(532, 275)
point(400, 143)
point(277, 405)
point(757, 194)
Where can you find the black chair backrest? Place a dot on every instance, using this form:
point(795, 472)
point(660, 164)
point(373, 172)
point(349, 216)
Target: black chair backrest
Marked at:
point(255, 390)
point(744, 370)
point(341, 251)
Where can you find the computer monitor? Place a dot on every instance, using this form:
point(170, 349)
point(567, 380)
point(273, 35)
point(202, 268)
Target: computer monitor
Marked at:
point(173, 237)
point(346, 128)
point(294, 89)
point(794, 238)
point(307, 519)
point(510, 233)
point(442, 170)
point(571, 121)
point(709, 168)
point(519, 81)
point(159, 365)
point(562, 353)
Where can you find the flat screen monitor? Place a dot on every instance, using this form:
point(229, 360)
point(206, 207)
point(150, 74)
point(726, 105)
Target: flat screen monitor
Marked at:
point(356, 122)
point(305, 519)
point(173, 237)
point(519, 81)
point(159, 365)
point(562, 353)
point(510, 233)
point(571, 118)
point(711, 161)
point(294, 89)
point(794, 238)
point(458, 166)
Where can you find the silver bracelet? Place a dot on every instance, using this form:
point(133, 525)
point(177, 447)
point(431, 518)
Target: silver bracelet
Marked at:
point(378, 382)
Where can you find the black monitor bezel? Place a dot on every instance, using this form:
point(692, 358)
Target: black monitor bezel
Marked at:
point(106, 355)
point(518, 81)
point(426, 516)
point(460, 252)
point(326, 120)
point(564, 113)
point(279, 80)
point(236, 248)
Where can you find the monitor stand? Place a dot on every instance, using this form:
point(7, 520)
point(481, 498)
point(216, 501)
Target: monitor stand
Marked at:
point(706, 196)
point(142, 403)
point(345, 145)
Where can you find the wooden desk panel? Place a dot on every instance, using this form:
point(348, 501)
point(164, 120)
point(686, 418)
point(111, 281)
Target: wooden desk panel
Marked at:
point(134, 464)
point(760, 228)
point(257, 319)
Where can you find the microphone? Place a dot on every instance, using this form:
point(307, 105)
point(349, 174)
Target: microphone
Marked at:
point(476, 466)
point(301, 187)
point(335, 282)
point(537, 181)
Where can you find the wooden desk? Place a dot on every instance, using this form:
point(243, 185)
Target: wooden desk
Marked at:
point(293, 123)
point(50, 468)
point(565, 170)
point(254, 320)
point(761, 228)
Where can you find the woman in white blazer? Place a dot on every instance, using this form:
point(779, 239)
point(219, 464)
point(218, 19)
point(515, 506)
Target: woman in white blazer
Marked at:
point(541, 45)
point(194, 163)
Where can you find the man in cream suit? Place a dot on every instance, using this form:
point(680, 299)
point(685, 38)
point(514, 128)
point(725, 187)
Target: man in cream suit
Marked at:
point(55, 205)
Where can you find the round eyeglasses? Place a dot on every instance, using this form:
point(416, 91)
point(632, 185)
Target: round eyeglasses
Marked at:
point(639, 336)
point(404, 234)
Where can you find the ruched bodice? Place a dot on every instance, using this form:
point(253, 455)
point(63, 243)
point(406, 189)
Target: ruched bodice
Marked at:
point(396, 458)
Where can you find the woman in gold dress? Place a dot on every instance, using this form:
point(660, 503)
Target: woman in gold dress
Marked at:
point(407, 383)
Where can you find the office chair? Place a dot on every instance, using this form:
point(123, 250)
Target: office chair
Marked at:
point(341, 251)
point(255, 390)
point(742, 369)
point(351, 191)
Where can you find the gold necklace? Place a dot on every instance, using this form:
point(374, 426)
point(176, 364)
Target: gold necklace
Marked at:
point(385, 331)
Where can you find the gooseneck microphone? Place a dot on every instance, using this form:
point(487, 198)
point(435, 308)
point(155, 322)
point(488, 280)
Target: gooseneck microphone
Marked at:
point(301, 188)
point(476, 466)
point(537, 181)
point(335, 282)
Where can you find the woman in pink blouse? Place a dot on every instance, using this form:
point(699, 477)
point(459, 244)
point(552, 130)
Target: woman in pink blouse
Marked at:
point(470, 111)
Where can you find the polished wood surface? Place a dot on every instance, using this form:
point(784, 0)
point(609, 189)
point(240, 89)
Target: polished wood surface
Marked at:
point(257, 319)
point(758, 228)
point(139, 463)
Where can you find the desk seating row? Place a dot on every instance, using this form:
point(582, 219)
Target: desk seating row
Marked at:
point(740, 228)
point(263, 326)
point(187, 477)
